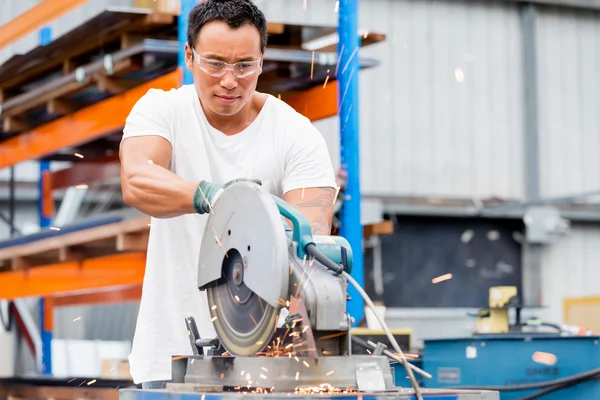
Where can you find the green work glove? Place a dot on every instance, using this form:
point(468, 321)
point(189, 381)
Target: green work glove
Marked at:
point(207, 193)
point(289, 321)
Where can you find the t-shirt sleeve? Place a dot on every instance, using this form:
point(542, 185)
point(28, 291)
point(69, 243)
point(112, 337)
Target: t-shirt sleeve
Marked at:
point(307, 161)
point(149, 117)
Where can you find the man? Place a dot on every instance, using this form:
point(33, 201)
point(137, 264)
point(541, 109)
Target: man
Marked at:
point(180, 147)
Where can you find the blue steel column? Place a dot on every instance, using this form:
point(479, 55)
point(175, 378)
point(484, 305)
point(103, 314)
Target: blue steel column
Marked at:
point(186, 8)
point(45, 37)
point(347, 76)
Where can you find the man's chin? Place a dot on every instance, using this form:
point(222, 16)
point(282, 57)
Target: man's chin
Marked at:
point(226, 109)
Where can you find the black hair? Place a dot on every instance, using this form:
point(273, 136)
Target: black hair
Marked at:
point(235, 13)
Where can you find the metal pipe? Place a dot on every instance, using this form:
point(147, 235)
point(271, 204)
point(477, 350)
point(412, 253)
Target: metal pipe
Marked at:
point(186, 7)
point(347, 72)
point(11, 202)
point(44, 358)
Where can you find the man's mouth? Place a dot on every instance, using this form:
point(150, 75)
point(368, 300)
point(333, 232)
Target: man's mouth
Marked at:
point(227, 99)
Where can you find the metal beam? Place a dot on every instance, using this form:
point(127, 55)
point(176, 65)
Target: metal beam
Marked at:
point(532, 253)
point(77, 276)
point(90, 123)
point(580, 4)
point(347, 72)
point(34, 18)
point(317, 103)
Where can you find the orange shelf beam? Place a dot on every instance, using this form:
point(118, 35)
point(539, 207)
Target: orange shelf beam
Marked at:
point(102, 296)
point(82, 126)
point(125, 269)
point(317, 103)
point(35, 18)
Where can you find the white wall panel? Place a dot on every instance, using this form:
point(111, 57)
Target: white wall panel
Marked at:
point(569, 61)
point(422, 131)
point(570, 269)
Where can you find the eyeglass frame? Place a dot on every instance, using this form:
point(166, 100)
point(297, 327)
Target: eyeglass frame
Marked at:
point(226, 66)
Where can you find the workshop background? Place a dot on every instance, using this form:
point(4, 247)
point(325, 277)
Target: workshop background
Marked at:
point(479, 168)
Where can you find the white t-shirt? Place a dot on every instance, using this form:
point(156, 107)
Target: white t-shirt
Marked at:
point(281, 148)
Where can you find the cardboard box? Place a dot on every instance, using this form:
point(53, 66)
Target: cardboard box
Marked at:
point(158, 5)
point(115, 369)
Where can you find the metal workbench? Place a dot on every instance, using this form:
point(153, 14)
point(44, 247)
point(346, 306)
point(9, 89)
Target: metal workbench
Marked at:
point(401, 394)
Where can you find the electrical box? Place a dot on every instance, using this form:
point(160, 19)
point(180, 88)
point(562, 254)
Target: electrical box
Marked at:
point(544, 224)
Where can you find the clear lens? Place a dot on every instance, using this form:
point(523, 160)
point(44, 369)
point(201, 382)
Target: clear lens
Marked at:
point(219, 68)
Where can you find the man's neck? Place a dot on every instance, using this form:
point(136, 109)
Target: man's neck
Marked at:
point(232, 125)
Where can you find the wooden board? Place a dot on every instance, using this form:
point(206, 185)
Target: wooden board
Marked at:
point(125, 236)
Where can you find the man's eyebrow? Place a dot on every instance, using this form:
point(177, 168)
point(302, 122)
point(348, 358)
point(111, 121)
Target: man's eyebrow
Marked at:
point(221, 58)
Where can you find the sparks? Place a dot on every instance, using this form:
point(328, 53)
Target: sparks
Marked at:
point(312, 65)
point(213, 319)
point(82, 186)
point(330, 372)
point(441, 278)
point(337, 192)
point(306, 364)
point(78, 155)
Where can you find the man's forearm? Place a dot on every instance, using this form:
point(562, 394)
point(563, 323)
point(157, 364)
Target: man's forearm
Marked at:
point(158, 192)
point(317, 206)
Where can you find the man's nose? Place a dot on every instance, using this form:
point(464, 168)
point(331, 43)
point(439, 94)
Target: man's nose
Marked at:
point(229, 81)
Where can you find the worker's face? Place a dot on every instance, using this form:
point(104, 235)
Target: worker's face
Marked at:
point(225, 89)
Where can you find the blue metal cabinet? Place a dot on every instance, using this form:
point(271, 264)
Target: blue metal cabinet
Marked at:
point(508, 360)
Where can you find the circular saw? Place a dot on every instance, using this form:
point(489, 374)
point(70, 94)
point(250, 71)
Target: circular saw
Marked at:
point(253, 263)
point(244, 283)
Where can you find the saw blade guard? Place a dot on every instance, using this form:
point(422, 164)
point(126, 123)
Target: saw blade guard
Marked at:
point(246, 222)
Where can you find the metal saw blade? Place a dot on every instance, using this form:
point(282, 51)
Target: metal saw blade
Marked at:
point(243, 321)
point(245, 268)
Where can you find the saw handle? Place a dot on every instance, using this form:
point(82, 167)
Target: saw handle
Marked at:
point(302, 233)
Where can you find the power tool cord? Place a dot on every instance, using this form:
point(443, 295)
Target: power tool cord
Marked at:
point(338, 269)
point(8, 322)
point(547, 386)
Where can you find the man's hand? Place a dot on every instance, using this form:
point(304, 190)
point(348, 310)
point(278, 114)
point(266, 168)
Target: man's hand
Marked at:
point(316, 204)
point(207, 193)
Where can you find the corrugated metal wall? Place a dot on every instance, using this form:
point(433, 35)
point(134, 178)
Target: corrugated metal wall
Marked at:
point(570, 269)
point(441, 115)
point(569, 86)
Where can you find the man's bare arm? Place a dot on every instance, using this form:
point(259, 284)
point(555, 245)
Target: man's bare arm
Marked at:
point(146, 181)
point(316, 204)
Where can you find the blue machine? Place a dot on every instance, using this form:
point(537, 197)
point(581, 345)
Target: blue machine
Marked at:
point(510, 360)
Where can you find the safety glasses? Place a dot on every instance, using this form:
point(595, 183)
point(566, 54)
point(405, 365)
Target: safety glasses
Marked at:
point(218, 68)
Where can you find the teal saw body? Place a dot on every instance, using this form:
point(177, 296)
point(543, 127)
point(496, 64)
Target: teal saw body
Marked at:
point(252, 263)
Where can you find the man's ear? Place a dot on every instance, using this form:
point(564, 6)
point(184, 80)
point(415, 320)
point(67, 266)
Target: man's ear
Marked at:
point(189, 57)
